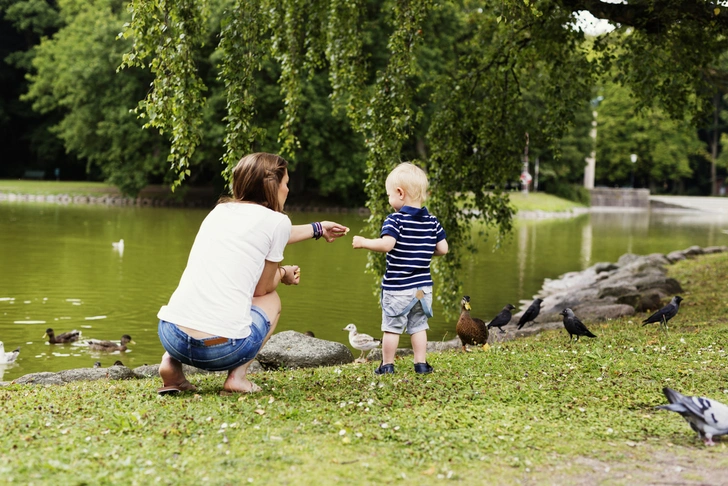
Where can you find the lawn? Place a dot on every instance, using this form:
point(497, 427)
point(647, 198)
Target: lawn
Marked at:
point(49, 188)
point(540, 201)
point(534, 410)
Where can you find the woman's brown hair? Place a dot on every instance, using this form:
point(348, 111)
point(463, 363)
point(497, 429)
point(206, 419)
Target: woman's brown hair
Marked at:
point(257, 178)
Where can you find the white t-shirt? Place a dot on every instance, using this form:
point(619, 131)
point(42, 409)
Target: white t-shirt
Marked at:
point(226, 261)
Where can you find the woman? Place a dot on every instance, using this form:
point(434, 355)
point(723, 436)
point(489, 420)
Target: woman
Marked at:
point(226, 305)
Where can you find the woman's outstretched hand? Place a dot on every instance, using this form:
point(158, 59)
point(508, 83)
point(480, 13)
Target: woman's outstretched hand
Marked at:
point(333, 230)
point(292, 275)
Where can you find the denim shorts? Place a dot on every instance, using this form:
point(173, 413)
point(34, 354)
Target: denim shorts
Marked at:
point(226, 355)
point(393, 303)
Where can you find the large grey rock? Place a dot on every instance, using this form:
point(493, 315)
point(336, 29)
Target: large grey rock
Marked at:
point(592, 311)
point(666, 284)
point(432, 347)
point(42, 378)
point(291, 349)
point(150, 371)
point(79, 374)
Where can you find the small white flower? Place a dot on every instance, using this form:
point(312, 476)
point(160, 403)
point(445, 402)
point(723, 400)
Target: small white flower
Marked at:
point(342, 432)
point(384, 426)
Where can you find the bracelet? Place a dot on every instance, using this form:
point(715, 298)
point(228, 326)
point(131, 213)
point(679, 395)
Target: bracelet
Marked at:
point(284, 273)
point(318, 230)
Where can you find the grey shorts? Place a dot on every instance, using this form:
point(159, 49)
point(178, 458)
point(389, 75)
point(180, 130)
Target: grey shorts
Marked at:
point(394, 302)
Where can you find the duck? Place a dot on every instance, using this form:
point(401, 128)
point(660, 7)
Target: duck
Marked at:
point(66, 337)
point(7, 358)
point(110, 346)
point(471, 330)
point(362, 342)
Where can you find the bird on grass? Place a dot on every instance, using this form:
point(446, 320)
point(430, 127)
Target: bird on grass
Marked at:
point(7, 358)
point(66, 337)
point(97, 364)
point(706, 417)
point(531, 313)
point(110, 346)
point(666, 313)
point(574, 326)
point(471, 330)
point(503, 318)
point(362, 342)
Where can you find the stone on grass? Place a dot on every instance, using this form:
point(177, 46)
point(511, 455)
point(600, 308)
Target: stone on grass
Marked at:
point(291, 349)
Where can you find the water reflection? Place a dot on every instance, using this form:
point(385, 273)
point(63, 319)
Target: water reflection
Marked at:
point(58, 271)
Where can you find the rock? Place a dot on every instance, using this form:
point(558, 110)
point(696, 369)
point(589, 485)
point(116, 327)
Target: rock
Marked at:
point(675, 256)
point(291, 349)
point(714, 249)
point(666, 284)
point(592, 311)
point(149, 371)
point(692, 251)
point(614, 290)
point(651, 300)
point(42, 378)
point(605, 267)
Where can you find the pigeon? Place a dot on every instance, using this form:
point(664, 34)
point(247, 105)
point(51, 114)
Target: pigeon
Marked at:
point(706, 417)
point(531, 313)
point(66, 337)
point(666, 313)
point(97, 364)
point(7, 358)
point(503, 318)
point(574, 326)
point(360, 341)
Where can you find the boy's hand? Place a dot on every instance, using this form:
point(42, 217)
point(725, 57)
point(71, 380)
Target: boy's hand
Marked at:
point(358, 242)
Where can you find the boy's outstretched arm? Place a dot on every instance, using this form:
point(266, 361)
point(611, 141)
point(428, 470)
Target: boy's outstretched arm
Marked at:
point(382, 245)
point(441, 248)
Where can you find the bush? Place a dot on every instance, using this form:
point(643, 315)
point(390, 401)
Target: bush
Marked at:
point(572, 192)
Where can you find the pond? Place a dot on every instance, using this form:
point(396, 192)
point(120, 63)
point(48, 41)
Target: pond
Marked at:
point(60, 270)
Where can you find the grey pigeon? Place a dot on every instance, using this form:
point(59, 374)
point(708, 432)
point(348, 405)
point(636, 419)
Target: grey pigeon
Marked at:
point(531, 313)
point(574, 326)
point(503, 318)
point(706, 417)
point(666, 313)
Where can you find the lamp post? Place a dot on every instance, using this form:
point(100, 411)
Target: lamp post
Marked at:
point(633, 158)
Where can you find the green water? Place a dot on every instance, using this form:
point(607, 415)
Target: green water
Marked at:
point(58, 269)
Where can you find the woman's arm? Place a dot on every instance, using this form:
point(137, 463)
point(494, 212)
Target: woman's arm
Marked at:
point(382, 245)
point(273, 275)
point(329, 230)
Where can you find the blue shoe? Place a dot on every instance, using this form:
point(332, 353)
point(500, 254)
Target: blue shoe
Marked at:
point(423, 368)
point(384, 369)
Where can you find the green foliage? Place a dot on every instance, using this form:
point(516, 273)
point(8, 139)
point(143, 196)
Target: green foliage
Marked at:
point(663, 145)
point(75, 75)
point(533, 408)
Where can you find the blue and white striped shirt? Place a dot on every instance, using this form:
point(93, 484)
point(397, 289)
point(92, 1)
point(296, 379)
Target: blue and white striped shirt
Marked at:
point(417, 233)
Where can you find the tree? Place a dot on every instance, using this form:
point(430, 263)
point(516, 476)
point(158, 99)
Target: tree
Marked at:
point(663, 146)
point(465, 116)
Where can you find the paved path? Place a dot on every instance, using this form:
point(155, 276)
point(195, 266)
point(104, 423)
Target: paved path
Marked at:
point(708, 204)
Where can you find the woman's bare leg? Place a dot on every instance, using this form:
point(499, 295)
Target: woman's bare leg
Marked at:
point(172, 375)
point(237, 379)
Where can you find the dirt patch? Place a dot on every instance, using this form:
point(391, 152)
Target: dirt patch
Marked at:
point(665, 465)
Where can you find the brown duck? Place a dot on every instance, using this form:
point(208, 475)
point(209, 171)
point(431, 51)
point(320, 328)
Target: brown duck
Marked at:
point(110, 346)
point(471, 330)
point(66, 337)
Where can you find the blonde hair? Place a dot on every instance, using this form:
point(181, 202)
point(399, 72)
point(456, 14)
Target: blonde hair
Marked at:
point(410, 178)
point(256, 179)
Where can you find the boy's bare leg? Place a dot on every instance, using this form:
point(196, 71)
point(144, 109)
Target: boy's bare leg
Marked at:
point(419, 346)
point(390, 342)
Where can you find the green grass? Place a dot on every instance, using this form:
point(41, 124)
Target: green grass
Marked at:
point(520, 412)
point(75, 188)
point(535, 201)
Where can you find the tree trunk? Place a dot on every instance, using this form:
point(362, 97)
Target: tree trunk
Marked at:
point(714, 144)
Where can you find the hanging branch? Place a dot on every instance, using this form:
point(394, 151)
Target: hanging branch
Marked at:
point(167, 32)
